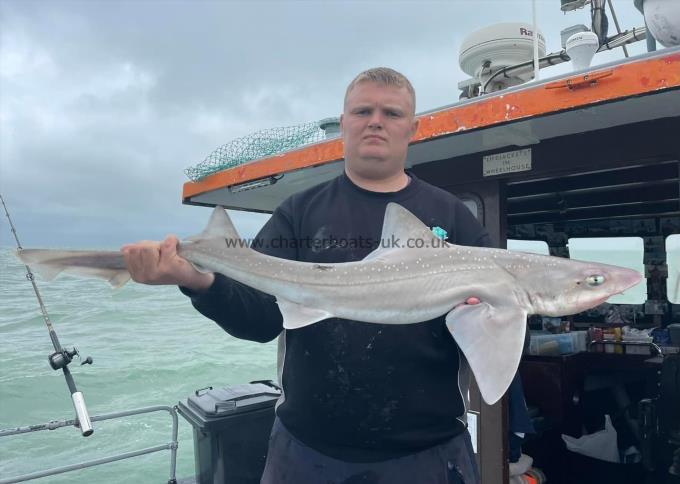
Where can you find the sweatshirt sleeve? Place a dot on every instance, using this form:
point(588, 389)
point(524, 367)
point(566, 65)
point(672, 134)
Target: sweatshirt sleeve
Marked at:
point(242, 311)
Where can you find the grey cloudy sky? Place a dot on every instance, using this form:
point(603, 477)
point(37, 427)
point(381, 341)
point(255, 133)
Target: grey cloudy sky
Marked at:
point(103, 104)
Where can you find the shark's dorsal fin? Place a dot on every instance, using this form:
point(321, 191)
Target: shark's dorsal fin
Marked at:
point(403, 225)
point(219, 226)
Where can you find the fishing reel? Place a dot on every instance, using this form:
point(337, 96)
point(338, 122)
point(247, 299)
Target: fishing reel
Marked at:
point(61, 359)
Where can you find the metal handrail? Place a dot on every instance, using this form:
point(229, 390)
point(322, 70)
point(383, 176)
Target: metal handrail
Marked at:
point(172, 445)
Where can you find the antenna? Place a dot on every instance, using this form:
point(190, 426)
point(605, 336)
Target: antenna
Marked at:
point(581, 48)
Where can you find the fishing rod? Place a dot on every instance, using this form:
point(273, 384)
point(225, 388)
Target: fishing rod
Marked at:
point(60, 359)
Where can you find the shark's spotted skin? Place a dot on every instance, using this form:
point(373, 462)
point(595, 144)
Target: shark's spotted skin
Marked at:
point(395, 285)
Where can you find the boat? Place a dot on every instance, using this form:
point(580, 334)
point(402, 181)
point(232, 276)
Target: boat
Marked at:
point(590, 153)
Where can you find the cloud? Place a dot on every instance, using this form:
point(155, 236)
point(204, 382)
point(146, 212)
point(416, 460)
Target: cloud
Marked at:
point(104, 104)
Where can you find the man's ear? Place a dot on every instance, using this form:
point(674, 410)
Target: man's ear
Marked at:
point(414, 127)
point(342, 130)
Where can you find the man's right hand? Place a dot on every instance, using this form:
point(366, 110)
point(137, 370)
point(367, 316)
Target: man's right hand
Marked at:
point(150, 262)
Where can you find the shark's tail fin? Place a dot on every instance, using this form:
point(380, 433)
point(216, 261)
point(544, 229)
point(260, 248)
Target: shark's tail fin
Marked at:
point(105, 265)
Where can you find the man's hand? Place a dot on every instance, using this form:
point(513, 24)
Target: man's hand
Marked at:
point(152, 262)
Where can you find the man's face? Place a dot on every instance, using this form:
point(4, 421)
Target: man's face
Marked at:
point(377, 125)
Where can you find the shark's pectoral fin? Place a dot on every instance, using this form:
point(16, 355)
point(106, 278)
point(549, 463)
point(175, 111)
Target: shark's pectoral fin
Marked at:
point(492, 340)
point(298, 316)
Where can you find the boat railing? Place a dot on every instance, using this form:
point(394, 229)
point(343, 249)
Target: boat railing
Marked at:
point(171, 446)
point(622, 343)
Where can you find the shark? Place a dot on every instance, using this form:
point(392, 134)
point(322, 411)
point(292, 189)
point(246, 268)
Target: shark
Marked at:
point(394, 284)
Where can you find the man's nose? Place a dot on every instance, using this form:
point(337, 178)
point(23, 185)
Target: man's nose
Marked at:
point(375, 121)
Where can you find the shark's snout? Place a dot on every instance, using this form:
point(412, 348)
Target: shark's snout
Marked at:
point(627, 279)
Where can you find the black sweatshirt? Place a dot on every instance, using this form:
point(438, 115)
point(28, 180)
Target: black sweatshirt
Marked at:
point(354, 391)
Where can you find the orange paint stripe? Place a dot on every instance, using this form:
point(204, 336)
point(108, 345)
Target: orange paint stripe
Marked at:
point(317, 154)
point(635, 78)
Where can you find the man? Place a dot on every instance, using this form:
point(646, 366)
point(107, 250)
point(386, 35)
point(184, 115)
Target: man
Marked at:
point(362, 403)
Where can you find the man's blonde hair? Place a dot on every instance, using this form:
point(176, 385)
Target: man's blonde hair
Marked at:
point(385, 76)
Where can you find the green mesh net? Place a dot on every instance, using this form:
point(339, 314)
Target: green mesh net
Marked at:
point(257, 145)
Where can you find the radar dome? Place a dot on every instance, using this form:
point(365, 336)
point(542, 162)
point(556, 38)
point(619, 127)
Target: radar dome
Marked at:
point(492, 48)
point(663, 20)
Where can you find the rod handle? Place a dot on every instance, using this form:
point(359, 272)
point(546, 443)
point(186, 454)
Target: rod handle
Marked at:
point(81, 413)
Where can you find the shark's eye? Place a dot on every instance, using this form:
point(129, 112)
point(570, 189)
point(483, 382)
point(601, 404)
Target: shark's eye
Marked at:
point(595, 280)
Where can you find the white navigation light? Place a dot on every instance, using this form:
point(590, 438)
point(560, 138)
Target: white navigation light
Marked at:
point(663, 20)
point(581, 48)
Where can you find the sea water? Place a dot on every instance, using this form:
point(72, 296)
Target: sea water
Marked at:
point(149, 346)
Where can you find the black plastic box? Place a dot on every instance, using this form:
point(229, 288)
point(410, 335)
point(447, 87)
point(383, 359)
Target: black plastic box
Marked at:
point(231, 431)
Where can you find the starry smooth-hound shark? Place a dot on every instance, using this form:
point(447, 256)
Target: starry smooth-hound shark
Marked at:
point(394, 285)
